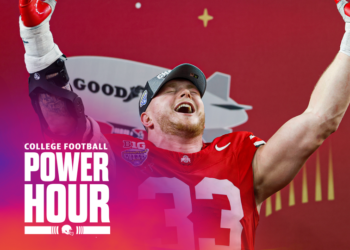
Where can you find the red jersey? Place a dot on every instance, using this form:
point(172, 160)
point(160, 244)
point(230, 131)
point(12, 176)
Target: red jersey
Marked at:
point(198, 201)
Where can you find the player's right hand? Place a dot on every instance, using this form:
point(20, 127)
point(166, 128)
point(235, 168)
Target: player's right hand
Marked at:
point(35, 12)
point(344, 9)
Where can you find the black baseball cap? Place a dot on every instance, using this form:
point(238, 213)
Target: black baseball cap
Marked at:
point(183, 71)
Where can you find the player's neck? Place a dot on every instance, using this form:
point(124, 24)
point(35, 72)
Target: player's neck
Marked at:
point(176, 143)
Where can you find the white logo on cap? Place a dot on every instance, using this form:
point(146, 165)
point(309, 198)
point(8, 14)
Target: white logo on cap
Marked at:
point(164, 74)
point(143, 99)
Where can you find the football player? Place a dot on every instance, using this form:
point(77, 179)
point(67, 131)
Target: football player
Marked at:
point(216, 188)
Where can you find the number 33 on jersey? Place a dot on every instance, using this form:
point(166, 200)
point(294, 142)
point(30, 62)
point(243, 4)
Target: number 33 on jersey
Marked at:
point(200, 201)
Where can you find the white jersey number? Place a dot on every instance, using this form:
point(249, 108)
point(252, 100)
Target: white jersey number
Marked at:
point(229, 218)
point(176, 216)
point(183, 207)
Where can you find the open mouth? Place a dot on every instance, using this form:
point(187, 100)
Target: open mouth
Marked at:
point(185, 107)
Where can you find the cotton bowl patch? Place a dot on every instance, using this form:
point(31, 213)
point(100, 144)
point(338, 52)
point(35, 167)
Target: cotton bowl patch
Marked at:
point(135, 156)
point(143, 99)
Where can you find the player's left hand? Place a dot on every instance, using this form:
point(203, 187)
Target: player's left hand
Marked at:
point(344, 9)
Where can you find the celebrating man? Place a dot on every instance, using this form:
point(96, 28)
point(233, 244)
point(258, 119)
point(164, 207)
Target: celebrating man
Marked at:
point(239, 168)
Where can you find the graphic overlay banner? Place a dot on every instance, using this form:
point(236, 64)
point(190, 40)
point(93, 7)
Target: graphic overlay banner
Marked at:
point(69, 186)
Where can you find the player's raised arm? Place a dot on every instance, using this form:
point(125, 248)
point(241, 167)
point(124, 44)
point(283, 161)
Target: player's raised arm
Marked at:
point(277, 163)
point(60, 111)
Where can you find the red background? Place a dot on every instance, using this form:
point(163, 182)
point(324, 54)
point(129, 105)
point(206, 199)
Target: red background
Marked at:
point(275, 51)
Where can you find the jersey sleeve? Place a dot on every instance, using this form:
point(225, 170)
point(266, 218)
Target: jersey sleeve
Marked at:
point(94, 135)
point(256, 140)
point(246, 146)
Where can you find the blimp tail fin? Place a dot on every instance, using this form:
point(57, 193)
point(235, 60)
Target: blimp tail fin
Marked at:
point(219, 85)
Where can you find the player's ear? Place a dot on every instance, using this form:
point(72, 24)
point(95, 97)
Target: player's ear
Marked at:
point(146, 120)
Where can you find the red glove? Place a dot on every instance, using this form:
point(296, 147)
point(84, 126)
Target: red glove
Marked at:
point(34, 12)
point(344, 9)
